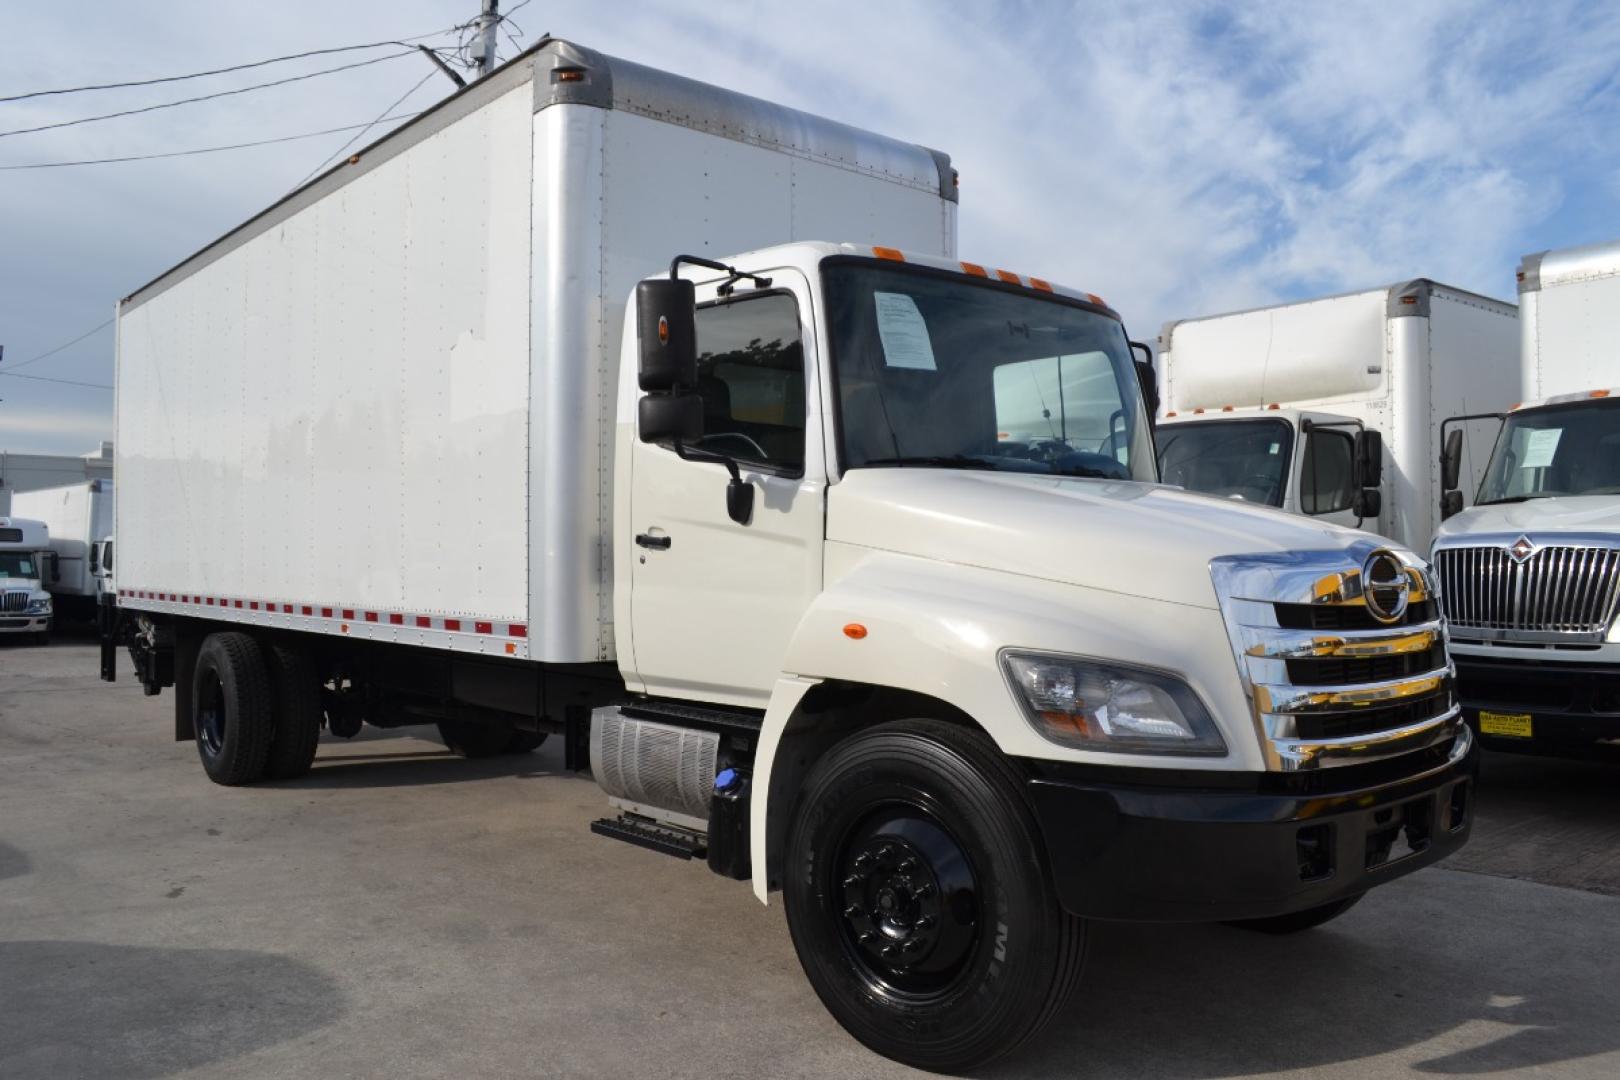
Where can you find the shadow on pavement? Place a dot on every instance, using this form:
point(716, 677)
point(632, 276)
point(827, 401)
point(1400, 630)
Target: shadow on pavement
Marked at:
point(369, 761)
point(79, 1008)
point(1212, 1001)
point(13, 862)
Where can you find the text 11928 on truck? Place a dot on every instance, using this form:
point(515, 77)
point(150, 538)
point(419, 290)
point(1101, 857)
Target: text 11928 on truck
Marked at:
point(754, 536)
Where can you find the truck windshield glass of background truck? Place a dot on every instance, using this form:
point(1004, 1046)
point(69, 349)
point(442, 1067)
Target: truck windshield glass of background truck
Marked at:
point(937, 369)
point(1247, 459)
point(16, 564)
point(1569, 449)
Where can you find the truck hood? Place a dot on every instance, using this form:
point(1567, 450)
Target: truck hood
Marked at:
point(1137, 539)
point(1577, 514)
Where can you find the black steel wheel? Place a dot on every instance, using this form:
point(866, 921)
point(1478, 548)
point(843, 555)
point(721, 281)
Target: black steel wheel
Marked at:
point(918, 898)
point(1296, 921)
point(230, 700)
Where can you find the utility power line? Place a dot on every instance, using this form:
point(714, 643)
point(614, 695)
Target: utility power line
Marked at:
point(200, 150)
point(64, 382)
point(9, 368)
point(380, 118)
point(224, 70)
point(209, 97)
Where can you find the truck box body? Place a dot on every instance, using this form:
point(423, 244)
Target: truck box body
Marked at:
point(1397, 360)
point(418, 351)
point(1569, 304)
point(78, 516)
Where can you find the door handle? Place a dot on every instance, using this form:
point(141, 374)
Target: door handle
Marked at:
point(648, 540)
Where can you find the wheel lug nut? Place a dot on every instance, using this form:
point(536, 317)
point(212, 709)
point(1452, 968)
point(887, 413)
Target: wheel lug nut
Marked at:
point(913, 945)
point(852, 912)
point(890, 952)
point(907, 865)
point(925, 923)
point(854, 880)
point(923, 891)
point(863, 860)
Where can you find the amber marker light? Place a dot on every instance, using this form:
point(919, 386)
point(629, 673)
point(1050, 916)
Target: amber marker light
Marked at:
point(854, 631)
point(892, 254)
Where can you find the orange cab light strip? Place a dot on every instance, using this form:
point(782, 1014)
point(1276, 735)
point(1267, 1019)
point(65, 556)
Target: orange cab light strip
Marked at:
point(890, 253)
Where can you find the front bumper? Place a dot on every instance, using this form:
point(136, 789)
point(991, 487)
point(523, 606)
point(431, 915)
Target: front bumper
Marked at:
point(1568, 703)
point(1255, 847)
point(24, 624)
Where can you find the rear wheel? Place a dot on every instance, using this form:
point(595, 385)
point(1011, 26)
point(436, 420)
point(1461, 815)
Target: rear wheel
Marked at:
point(487, 740)
point(1296, 921)
point(296, 720)
point(231, 708)
point(917, 898)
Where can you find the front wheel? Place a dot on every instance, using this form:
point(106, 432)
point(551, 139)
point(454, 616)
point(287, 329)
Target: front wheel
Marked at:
point(918, 901)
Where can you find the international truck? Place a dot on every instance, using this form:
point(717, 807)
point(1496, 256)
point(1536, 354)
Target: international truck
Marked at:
point(1532, 570)
point(25, 606)
point(79, 518)
point(486, 429)
point(1330, 407)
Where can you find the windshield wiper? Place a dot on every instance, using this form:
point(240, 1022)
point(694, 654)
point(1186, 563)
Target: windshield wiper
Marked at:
point(934, 461)
point(1517, 499)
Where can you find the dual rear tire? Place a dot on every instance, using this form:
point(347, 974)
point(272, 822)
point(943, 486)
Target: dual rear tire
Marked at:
point(256, 710)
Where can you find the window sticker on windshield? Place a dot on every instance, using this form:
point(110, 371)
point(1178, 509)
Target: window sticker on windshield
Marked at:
point(903, 333)
point(1540, 447)
point(1274, 448)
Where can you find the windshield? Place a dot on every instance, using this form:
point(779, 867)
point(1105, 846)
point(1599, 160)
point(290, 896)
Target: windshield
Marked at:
point(17, 564)
point(1556, 450)
point(936, 369)
point(1246, 459)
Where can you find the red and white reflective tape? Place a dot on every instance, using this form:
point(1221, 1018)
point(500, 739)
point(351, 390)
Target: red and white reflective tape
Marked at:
point(483, 635)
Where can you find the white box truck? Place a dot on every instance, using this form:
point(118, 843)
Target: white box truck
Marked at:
point(1532, 570)
point(485, 429)
point(1331, 407)
point(79, 518)
point(25, 606)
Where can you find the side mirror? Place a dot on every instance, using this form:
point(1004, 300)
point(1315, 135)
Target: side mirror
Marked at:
point(1451, 463)
point(670, 417)
point(1147, 378)
point(1370, 460)
point(666, 330)
point(56, 566)
point(1450, 503)
point(1369, 503)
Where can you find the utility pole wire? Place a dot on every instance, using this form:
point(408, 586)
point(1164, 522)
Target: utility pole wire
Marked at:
point(403, 43)
point(9, 368)
point(64, 382)
point(209, 97)
point(380, 117)
point(199, 150)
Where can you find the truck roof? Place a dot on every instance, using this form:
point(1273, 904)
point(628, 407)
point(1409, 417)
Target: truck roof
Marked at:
point(564, 73)
point(1411, 297)
point(1583, 263)
point(34, 533)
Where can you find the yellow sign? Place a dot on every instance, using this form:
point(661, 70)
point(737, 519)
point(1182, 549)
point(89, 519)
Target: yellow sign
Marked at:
point(1495, 723)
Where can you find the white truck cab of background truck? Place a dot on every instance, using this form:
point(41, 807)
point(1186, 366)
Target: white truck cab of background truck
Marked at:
point(755, 537)
point(1270, 405)
point(25, 606)
point(1532, 570)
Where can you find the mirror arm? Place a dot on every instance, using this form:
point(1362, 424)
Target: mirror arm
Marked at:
point(691, 453)
point(734, 275)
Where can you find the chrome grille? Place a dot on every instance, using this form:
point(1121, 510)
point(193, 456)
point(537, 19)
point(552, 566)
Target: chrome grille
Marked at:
point(1556, 590)
point(14, 601)
point(1332, 680)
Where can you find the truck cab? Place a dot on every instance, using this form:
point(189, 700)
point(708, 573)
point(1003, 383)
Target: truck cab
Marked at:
point(1301, 461)
point(25, 605)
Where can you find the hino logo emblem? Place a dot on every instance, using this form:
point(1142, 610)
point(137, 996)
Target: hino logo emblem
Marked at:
point(1521, 549)
point(1385, 586)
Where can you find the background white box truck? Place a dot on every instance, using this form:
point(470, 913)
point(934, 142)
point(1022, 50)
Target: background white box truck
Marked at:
point(80, 519)
point(1288, 406)
point(25, 606)
point(485, 430)
point(1532, 571)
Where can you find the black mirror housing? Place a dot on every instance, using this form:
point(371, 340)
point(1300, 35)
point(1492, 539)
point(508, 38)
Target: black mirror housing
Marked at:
point(1451, 461)
point(1450, 503)
point(670, 418)
point(666, 331)
point(1370, 459)
point(1150, 387)
point(1369, 503)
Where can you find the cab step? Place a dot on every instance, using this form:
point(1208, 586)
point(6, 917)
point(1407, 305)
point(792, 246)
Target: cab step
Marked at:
point(654, 835)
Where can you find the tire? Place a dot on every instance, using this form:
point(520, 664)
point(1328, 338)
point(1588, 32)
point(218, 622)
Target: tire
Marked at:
point(914, 838)
point(487, 740)
point(230, 699)
point(1296, 921)
point(295, 693)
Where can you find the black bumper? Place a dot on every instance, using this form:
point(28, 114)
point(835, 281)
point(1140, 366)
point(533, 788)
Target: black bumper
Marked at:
point(1267, 845)
point(1568, 704)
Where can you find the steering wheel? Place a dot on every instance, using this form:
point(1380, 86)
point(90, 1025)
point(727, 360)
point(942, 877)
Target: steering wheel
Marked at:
point(752, 446)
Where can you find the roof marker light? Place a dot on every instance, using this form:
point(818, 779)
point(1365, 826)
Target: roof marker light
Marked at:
point(1037, 283)
point(1599, 394)
point(1095, 299)
point(1169, 414)
point(892, 254)
point(1274, 406)
point(1226, 408)
point(1009, 277)
point(1198, 411)
point(975, 269)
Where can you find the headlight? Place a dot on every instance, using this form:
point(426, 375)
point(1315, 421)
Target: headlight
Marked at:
point(1095, 705)
point(40, 607)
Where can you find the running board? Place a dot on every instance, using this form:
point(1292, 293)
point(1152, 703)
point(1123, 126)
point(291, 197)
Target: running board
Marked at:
point(647, 833)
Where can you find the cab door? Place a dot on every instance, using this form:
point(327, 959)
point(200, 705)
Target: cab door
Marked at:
point(714, 602)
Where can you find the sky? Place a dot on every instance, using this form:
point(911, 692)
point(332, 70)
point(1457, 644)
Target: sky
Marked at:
point(1179, 159)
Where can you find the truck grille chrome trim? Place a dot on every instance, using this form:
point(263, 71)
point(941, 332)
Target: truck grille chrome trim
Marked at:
point(1511, 587)
point(1329, 682)
point(14, 601)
